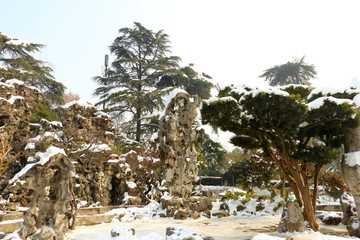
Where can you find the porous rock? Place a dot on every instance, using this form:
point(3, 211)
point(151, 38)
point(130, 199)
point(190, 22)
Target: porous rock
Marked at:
point(52, 205)
point(184, 233)
point(292, 218)
point(122, 233)
point(348, 207)
point(353, 227)
point(332, 219)
point(178, 142)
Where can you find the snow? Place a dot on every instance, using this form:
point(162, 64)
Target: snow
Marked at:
point(307, 235)
point(326, 91)
point(317, 103)
point(223, 99)
point(30, 145)
point(168, 99)
point(124, 233)
point(81, 102)
point(12, 99)
point(352, 159)
point(270, 91)
point(100, 114)
point(44, 158)
point(94, 148)
point(46, 134)
point(14, 81)
point(180, 233)
point(131, 184)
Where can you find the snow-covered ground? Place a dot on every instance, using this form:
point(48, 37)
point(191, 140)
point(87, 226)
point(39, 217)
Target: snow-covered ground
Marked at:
point(247, 223)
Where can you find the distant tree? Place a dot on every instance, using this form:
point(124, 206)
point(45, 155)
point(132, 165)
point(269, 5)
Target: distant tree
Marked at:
point(128, 89)
point(188, 79)
point(70, 96)
point(296, 72)
point(213, 155)
point(16, 61)
point(253, 170)
point(298, 129)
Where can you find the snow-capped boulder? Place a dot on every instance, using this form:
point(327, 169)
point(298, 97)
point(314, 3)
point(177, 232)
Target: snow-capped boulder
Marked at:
point(347, 205)
point(292, 218)
point(183, 233)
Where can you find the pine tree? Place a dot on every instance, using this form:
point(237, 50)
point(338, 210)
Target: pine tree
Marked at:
point(213, 155)
point(298, 128)
point(296, 72)
point(17, 62)
point(129, 87)
point(191, 81)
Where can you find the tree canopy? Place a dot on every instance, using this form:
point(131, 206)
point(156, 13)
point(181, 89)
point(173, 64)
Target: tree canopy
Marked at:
point(128, 89)
point(296, 72)
point(188, 79)
point(16, 61)
point(298, 127)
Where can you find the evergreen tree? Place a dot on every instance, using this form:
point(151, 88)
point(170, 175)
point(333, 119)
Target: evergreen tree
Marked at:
point(213, 155)
point(296, 72)
point(189, 80)
point(298, 128)
point(129, 87)
point(17, 62)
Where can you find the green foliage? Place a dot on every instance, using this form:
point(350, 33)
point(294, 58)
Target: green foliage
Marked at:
point(259, 207)
point(240, 208)
point(188, 79)
point(43, 110)
point(16, 61)
point(230, 196)
point(213, 157)
point(281, 204)
point(299, 135)
point(334, 184)
point(296, 72)
point(253, 170)
point(141, 59)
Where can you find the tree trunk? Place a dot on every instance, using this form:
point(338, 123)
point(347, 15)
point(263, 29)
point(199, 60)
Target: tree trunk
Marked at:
point(309, 210)
point(351, 174)
point(302, 193)
point(138, 125)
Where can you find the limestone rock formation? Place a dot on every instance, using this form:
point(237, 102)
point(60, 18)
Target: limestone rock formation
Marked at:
point(53, 203)
point(350, 166)
point(348, 207)
point(182, 208)
point(178, 141)
point(353, 227)
point(17, 101)
point(292, 218)
point(332, 219)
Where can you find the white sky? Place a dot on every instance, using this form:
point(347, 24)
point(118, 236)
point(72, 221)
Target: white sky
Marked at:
point(233, 41)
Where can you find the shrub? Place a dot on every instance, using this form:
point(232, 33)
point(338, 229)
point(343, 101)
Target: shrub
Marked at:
point(334, 184)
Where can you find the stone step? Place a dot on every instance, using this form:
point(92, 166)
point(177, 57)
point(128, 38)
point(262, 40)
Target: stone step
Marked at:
point(11, 225)
point(94, 219)
point(101, 210)
point(11, 216)
point(335, 208)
